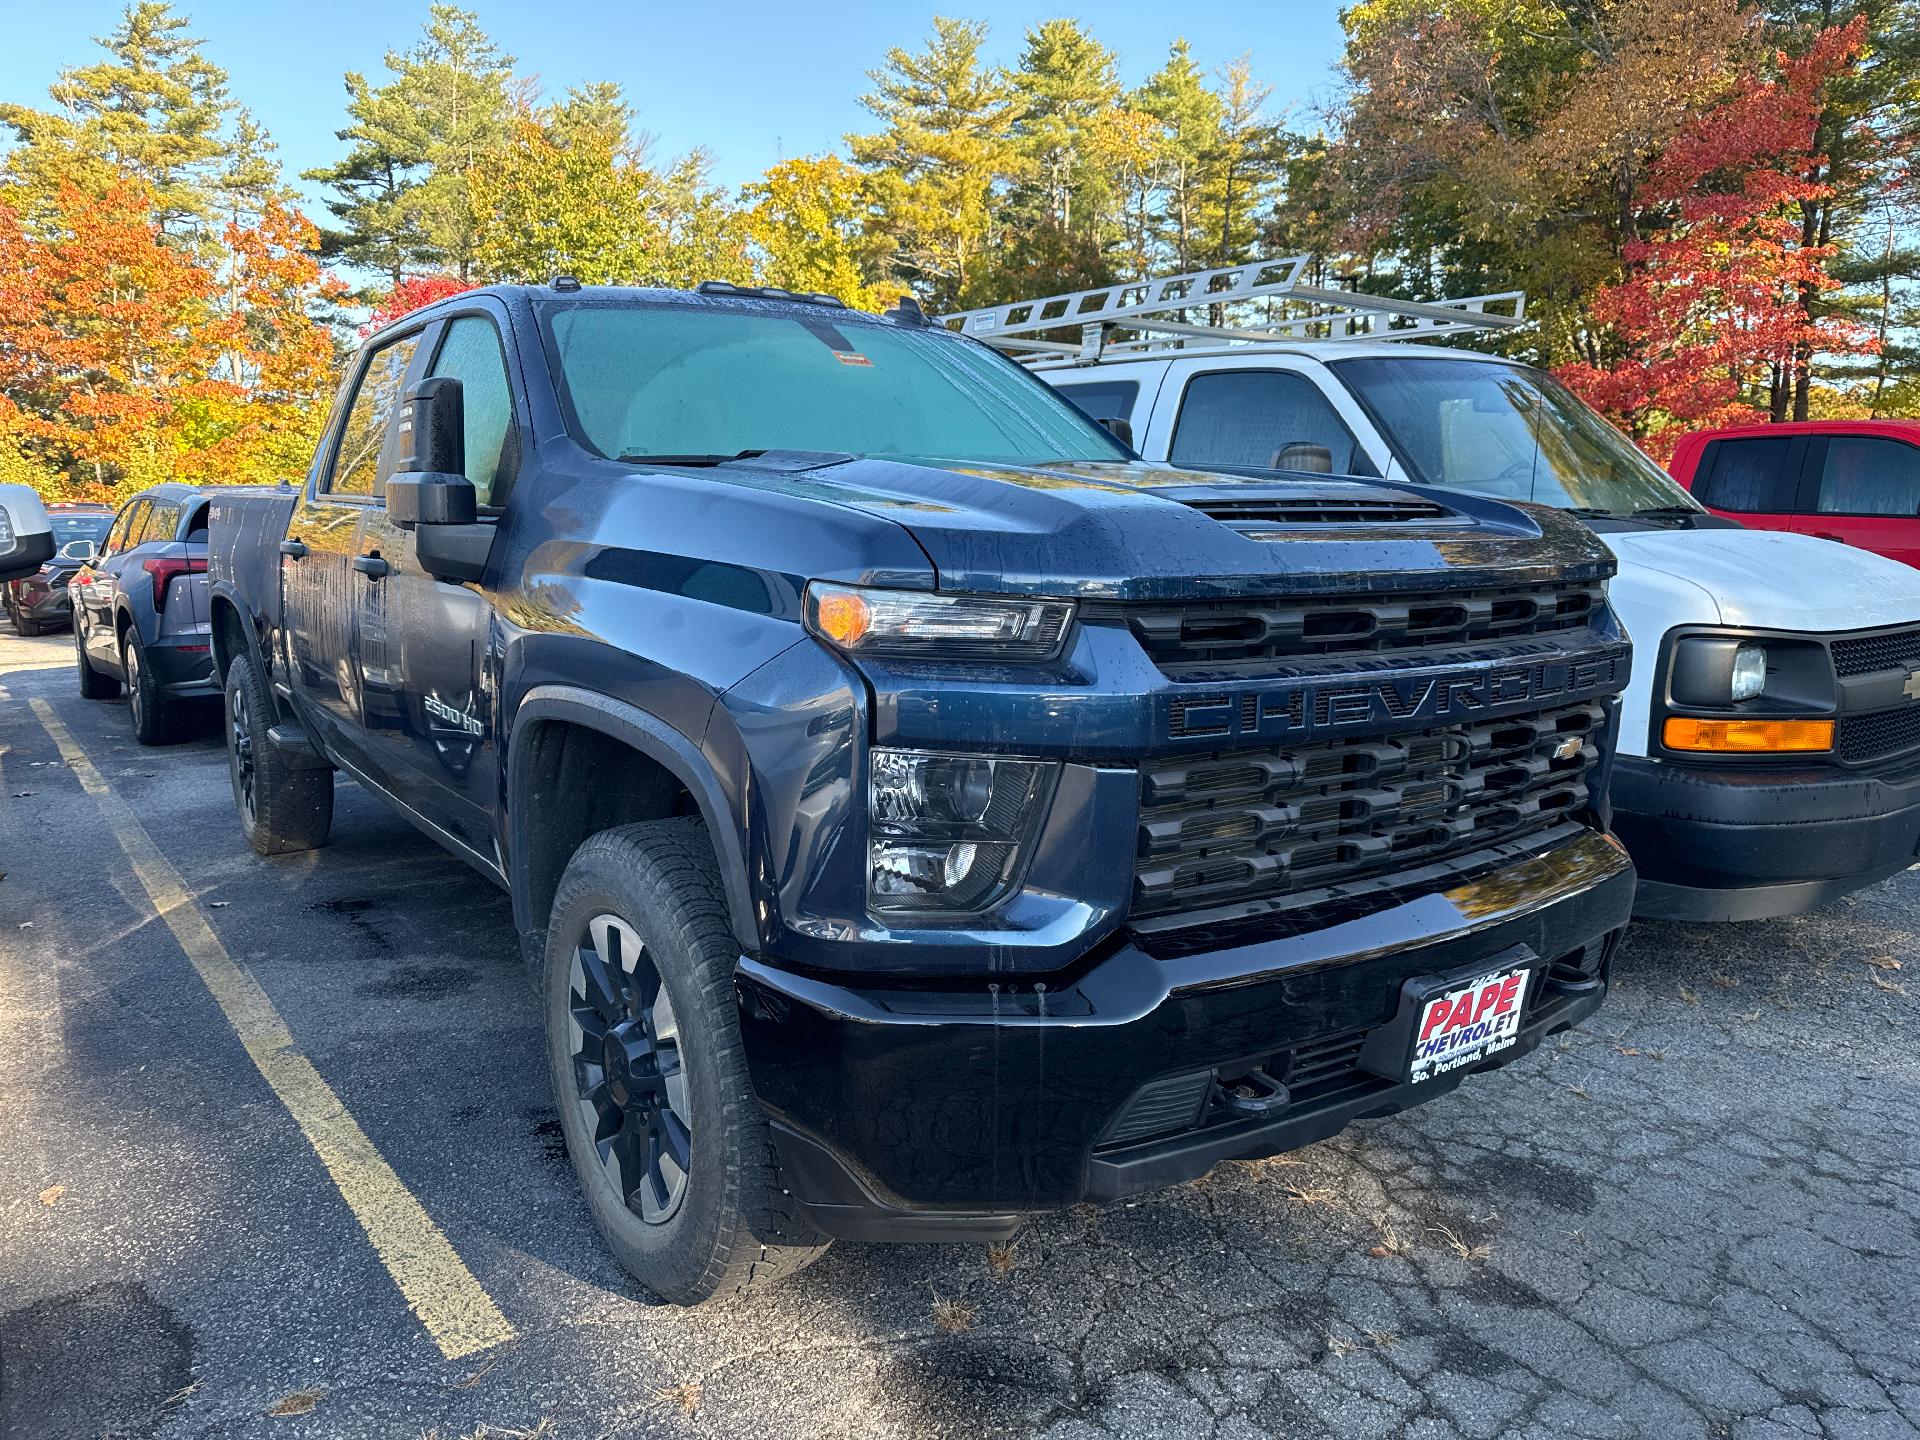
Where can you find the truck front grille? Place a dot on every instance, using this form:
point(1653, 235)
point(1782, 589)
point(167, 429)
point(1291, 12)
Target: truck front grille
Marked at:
point(1228, 827)
point(1212, 638)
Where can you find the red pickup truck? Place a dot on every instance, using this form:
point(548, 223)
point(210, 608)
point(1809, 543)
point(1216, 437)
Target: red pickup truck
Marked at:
point(1855, 481)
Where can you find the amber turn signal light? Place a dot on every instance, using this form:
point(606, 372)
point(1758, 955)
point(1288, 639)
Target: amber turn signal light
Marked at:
point(1747, 737)
point(843, 617)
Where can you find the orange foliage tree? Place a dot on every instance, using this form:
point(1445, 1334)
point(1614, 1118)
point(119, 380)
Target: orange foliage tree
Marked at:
point(1710, 321)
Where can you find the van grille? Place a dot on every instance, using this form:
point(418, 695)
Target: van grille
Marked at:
point(1870, 654)
point(1879, 735)
point(1212, 638)
point(1230, 827)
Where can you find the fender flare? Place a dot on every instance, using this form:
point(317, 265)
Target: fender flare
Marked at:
point(223, 590)
point(666, 746)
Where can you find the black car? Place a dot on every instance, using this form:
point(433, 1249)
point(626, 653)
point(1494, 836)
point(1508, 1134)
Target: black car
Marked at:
point(39, 602)
point(140, 610)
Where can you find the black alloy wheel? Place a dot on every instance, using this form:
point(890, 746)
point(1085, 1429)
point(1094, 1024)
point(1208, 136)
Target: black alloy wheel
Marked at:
point(629, 1074)
point(240, 747)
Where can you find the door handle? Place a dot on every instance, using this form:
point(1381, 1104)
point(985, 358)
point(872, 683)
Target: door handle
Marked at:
point(1828, 535)
point(293, 549)
point(372, 566)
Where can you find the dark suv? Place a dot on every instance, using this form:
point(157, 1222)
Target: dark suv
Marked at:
point(140, 610)
point(38, 603)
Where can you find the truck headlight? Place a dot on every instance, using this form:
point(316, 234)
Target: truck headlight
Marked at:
point(946, 831)
point(918, 623)
point(1749, 671)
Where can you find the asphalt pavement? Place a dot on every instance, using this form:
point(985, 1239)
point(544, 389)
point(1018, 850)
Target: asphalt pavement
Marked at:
point(1699, 1216)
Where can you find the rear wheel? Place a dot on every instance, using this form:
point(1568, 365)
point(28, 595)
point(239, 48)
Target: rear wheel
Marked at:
point(27, 625)
point(282, 806)
point(649, 1074)
point(153, 711)
point(93, 685)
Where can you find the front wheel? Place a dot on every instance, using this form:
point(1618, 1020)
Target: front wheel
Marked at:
point(649, 1073)
point(283, 807)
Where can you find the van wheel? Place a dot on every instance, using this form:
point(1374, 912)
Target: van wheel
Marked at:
point(93, 685)
point(649, 1074)
point(282, 807)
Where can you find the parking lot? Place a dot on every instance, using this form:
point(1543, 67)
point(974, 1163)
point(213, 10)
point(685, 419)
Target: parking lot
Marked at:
point(1698, 1217)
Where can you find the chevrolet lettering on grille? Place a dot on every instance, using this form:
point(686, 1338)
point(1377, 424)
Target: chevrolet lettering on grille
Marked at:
point(1308, 709)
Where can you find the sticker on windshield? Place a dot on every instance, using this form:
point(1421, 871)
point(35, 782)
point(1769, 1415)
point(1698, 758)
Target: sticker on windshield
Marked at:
point(847, 357)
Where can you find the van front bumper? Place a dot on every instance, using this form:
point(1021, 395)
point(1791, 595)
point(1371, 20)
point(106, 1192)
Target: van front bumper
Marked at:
point(945, 1112)
point(1752, 842)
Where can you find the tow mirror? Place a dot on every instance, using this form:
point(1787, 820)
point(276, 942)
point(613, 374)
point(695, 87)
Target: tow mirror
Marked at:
point(1305, 457)
point(26, 535)
point(1121, 430)
point(429, 492)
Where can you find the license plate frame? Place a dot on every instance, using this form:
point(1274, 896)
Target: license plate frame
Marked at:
point(1417, 1047)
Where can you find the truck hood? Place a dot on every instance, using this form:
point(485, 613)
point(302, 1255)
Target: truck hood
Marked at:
point(1136, 531)
point(1771, 580)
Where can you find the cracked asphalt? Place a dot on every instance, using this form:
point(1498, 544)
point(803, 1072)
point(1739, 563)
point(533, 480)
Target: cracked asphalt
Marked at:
point(1699, 1216)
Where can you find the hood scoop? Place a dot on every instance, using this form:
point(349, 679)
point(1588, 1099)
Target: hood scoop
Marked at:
point(1292, 511)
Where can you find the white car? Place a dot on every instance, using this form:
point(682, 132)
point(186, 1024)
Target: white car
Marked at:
point(1769, 754)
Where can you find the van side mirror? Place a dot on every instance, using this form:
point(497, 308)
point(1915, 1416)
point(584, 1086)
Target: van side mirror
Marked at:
point(1303, 456)
point(26, 535)
point(1121, 430)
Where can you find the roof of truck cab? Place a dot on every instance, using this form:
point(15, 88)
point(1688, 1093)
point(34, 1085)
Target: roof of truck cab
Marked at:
point(615, 295)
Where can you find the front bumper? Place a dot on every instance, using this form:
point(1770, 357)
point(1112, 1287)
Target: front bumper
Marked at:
point(1715, 842)
point(945, 1113)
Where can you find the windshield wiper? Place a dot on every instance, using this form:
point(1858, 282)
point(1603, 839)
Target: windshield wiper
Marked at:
point(1590, 512)
point(685, 459)
point(1669, 510)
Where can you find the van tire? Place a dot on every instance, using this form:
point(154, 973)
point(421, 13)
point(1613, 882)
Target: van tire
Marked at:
point(282, 807)
point(734, 1225)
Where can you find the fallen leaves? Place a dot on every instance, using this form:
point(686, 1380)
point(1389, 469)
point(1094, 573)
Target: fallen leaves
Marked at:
point(52, 1194)
point(296, 1402)
point(1884, 962)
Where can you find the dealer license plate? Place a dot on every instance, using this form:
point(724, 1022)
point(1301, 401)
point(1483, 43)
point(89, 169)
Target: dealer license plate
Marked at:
point(1466, 1023)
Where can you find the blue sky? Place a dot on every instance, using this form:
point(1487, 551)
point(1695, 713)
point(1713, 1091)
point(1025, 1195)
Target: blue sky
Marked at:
point(754, 82)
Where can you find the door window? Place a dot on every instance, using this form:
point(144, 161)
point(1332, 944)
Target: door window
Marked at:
point(1864, 475)
point(1750, 476)
point(130, 518)
point(1260, 420)
point(471, 354)
point(1103, 399)
point(359, 461)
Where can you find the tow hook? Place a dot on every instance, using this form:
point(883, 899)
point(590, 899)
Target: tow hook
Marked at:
point(1255, 1094)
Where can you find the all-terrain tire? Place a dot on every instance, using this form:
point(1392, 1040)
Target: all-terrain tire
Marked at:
point(736, 1226)
point(93, 685)
point(283, 807)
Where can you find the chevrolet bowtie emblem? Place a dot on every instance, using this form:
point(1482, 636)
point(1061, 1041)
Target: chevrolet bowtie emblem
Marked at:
point(1569, 747)
point(1912, 688)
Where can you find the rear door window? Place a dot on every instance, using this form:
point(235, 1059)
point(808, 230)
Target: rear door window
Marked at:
point(161, 525)
point(363, 452)
point(1262, 420)
point(1757, 476)
point(1869, 475)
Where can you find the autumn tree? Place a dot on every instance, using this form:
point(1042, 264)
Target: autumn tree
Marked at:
point(807, 221)
point(1709, 324)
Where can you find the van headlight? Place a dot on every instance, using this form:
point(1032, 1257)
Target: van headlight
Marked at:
point(946, 833)
point(1749, 676)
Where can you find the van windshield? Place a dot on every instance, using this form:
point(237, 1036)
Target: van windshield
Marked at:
point(1508, 432)
point(672, 379)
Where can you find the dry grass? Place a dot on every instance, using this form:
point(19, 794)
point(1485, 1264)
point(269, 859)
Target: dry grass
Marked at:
point(953, 1316)
point(1382, 1339)
point(1884, 962)
point(1461, 1249)
point(1339, 1347)
point(1725, 982)
point(1311, 1194)
point(1892, 987)
point(1390, 1244)
point(686, 1396)
point(296, 1402)
point(1001, 1259)
point(1692, 997)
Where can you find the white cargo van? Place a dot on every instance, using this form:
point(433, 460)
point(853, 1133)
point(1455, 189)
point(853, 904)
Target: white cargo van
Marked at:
point(1770, 738)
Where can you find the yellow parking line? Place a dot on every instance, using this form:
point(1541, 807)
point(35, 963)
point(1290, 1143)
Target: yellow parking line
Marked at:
point(439, 1289)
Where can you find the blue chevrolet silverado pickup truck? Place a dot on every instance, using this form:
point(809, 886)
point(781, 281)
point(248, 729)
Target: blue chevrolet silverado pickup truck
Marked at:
point(917, 811)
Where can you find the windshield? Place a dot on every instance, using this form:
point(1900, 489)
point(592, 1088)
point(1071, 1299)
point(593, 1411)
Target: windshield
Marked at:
point(673, 379)
point(1508, 432)
point(79, 527)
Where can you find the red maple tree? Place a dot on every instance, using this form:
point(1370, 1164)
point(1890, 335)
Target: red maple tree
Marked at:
point(413, 292)
point(1714, 303)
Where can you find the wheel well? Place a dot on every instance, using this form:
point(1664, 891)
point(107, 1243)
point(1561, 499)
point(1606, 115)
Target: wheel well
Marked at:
point(576, 781)
point(229, 636)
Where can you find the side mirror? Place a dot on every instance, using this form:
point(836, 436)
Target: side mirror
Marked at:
point(26, 535)
point(79, 550)
point(429, 492)
point(1121, 430)
point(1303, 456)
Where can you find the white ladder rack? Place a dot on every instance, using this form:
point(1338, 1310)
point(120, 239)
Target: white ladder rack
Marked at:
point(1157, 312)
